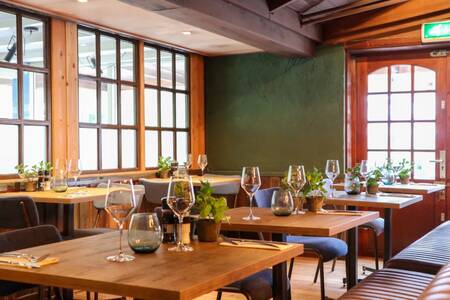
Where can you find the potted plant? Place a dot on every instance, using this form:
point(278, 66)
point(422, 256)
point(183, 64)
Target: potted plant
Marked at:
point(313, 191)
point(29, 174)
point(164, 166)
point(372, 182)
point(44, 170)
point(212, 213)
point(404, 173)
point(352, 185)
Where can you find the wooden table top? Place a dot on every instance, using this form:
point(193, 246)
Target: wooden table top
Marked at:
point(71, 196)
point(307, 224)
point(381, 200)
point(214, 180)
point(161, 275)
point(411, 188)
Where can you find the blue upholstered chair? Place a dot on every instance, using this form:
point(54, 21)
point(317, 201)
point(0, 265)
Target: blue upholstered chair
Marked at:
point(326, 248)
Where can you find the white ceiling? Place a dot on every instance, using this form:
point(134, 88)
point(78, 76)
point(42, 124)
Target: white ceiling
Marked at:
point(146, 24)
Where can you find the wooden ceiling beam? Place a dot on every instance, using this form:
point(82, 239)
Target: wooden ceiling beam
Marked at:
point(229, 20)
point(277, 4)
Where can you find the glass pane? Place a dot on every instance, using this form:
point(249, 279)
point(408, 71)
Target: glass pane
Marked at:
point(401, 106)
point(110, 150)
point(376, 158)
point(377, 81)
point(151, 107)
point(108, 57)
point(88, 148)
point(127, 105)
point(34, 144)
point(424, 136)
point(377, 107)
point(398, 156)
point(180, 71)
point(423, 168)
point(34, 104)
point(150, 65)
point(8, 90)
point(377, 136)
point(400, 78)
point(400, 135)
point(109, 103)
point(182, 147)
point(87, 95)
point(424, 79)
point(151, 148)
point(9, 156)
point(87, 62)
point(127, 69)
point(33, 42)
point(166, 109)
point(182, 111)
point(128, 149)
point(167, 143)
point(8, 39)
point(166, 69)
point(424, 106)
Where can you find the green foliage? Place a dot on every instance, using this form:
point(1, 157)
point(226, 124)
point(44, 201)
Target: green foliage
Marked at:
point(25, 172)
point(314, 184)
point(181, 189)
point(284, 184)
point(43, 167)
point(388, 165)
point(210, 207)
point(354, 172)
point(373, 177)
point(164, 163)
point(405, 169)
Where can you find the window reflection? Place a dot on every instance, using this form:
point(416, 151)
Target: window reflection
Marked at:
point(33, 42)
point(8, 37)
point(87, 61)
point(34, 104)
point(8, 90)
point(166, 69)
point(108, 57)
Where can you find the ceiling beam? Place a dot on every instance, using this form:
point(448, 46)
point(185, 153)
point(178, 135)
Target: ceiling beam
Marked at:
point(232, 21)
point(277, 4)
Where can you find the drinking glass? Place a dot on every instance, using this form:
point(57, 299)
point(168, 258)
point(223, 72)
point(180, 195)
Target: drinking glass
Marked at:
point(332, 171)
point(74, 169)
point(282, 203)
point(145, 234)
point(296, 180)
point(188, 163)
point(120, 203)
point(180, 198)
point(364, 168)
point(202, 162)
point(250, 183)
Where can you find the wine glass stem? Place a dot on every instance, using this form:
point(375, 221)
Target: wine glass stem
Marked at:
point(76, 179)
point(332, 188)
point(251, 204)
point(120, 241)
point(180, 231)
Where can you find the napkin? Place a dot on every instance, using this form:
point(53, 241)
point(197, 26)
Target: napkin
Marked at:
point(340, 213)
point(25, 263)
point(255, 245)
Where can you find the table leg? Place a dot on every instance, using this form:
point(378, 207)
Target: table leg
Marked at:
point(281, 286)
point(387, 234)
point(68, 220)
point(352, 255)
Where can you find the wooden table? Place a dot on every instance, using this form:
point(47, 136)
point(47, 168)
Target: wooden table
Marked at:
point(412, 188)
point(161, 275)
point(386, 201)
point(214, 180)
point(308, 224)
point(68, 199)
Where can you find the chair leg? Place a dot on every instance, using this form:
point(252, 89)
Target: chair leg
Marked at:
point(333, 266)
point(261, 236)
point(97, 218)
point(317, 271)
point(219, 295)
point(322, 280)
point(88, 295)
point(375, 243)
point(291, 267)
point(59, 293)
point(95, 296)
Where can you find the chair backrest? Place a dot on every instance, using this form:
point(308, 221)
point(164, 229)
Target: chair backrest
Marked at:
point(29, 237)
point(154, 191)
point(18, 212)
point(228, 188)
point(263, 197)
point(139, 191)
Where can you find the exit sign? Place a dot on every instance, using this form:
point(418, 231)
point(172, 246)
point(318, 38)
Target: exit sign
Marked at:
point(436, 32)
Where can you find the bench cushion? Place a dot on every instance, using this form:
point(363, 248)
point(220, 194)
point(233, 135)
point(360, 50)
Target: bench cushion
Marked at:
point(428, 254)
point(439, 289)
point(390, 284)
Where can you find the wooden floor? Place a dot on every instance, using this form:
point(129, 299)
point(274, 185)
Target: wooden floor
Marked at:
point(302, 281)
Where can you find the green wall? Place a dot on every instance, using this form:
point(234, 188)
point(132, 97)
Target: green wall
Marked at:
point(272, 111)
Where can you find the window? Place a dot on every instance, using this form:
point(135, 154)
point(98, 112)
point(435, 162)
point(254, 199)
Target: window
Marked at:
point(107, 101)
point(166, 105)
point(401, 116)
point(24, 101)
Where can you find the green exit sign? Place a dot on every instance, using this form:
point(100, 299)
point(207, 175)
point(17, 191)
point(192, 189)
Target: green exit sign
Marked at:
point(436, 32)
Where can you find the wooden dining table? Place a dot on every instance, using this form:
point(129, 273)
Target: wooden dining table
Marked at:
point(411, 188)
point(160, 275)
point(386, 201)
point(310, 224)
point(214, 180)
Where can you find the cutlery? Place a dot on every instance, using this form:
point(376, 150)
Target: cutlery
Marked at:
point(28, 265)
point(30, 258)
point(248, 242)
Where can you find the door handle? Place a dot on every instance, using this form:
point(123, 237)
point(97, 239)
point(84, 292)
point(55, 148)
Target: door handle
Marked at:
point(441, 162)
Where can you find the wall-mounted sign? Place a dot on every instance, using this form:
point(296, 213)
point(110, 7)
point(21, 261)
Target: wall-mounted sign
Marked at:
point(436, 32)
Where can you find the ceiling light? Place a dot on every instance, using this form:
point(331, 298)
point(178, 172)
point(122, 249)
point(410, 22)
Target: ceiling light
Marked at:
point(186, 32)
point(82, 1)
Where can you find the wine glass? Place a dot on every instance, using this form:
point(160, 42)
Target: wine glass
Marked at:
point(364, 168)
point(250, 183)
point(180, 198)
point(332, 171)
point(120, 203)
point(202, 161)
point(296, 180)
point(74, 169)
point(188, 163)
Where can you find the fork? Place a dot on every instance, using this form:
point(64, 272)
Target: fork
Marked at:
point(239, 241)
point(30, 258)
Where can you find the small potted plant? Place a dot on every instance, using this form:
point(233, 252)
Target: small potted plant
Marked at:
point(44, 170)
point(313, 191)
point(164, 166)
point(404, 173)
point(372, 182)
point(212, 213)
point(352, 185)
point(29, 174)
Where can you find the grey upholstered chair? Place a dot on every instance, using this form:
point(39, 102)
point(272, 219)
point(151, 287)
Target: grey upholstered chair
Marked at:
point(154, 191)
point(227, 189)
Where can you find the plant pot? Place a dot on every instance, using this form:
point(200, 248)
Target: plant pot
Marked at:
point(163, 174)
point(208, 230)
point(372, 189)
point(405, 180)
point(30, 186)
point(315, 204)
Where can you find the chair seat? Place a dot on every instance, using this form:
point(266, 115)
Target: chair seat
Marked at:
point(390, 284)
point(7, 288)
point(80, 233)
point(329, 248)
point(376, 225)
point(439, 288)
point(257, 286)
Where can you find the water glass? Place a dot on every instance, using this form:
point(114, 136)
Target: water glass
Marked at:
point(74, 169)
point(145, 234)
point(202, 161)
point(250, 183)
point(332, 171)
point(296, 180)
point(59, 181)
point(282, 203)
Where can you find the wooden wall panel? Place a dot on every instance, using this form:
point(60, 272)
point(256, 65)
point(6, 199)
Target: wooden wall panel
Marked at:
point(197, 88)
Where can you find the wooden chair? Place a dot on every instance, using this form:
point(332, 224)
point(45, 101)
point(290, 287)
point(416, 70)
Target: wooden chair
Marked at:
point(18, 212)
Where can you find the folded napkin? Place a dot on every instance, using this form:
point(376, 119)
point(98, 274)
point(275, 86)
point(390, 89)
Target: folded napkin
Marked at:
point(256, 244)
point(340, 213)
point(26, 263)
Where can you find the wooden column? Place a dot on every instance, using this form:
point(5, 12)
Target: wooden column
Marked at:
point(140, 106)
point(197, 78)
